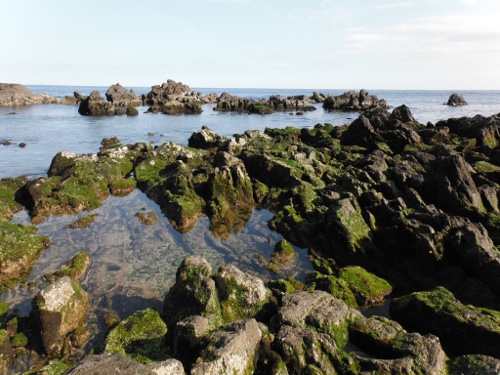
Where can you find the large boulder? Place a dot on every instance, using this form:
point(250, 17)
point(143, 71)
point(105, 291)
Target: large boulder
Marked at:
point(141, 336)
point(96, 105)
point(241, 294)
point(464, 329)
point(59, 310)
point(194, 293)
point(231, 350)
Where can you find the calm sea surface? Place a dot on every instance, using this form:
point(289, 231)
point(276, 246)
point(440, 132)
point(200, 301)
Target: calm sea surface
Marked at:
point(134, 265)
point(48, 129)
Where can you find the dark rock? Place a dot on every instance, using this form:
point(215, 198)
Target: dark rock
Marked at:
point(95, 105)
point(464, 329)
point(456, 100)
point(22, 145)
point(353, 101)
point(205, 138)
point(474, 364)
point(194, 293)
point(120, 96)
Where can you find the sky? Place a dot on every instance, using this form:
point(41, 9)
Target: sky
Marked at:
point(321, 44)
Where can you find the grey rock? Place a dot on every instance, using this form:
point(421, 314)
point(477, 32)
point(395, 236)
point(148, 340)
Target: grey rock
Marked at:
point(231, 350)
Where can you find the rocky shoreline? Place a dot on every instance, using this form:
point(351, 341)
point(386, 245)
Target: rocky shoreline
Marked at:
point(392, 212)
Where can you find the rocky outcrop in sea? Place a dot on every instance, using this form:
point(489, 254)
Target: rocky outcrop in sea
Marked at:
point(15, 94)
point(396, 215)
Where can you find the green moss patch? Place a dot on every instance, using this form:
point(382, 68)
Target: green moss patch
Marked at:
point(141, 336)
point(368, 288)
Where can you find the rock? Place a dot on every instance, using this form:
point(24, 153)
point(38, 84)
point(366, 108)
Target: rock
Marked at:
point(75, 268)
point(474, 364)
point(12, 94)
point(141, 336)
point(131, 111)
point(231, 350)
point(59, 310)
point(189, 335)
point(120, 96)
point(194, 293)
point(118, 364)
point(170, 91)
point(368, 288)
point(84, 222)
point(456, 100)
point(148, 219)
point(306, 351)
point(229, 195)
point(283, 252)
point(353, 101)
point(241, 294)
point(464, 329)
point(477, 254)
point(95, 105)
point(20, 248)
point(388, 348)
point(449, 183)
point(205, 138)
point(319, 311)
point(7, 356)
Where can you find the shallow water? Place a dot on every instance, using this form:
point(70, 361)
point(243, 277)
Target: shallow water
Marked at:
point(133, 265)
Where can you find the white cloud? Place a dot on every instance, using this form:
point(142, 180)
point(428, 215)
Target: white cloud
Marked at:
point(386, 6)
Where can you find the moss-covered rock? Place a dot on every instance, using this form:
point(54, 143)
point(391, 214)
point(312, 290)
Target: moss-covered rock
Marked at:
point(75, 268)
point(141, 336)
point(19, 249)
point(9, 187)
point(194, 293)
point(84, 222)
point(337, 287)
point(464, 329)
point(283, 252)
point(59, 309)
point(368, 288)
point(474, 364)
point(148, 219)
point(241, 294)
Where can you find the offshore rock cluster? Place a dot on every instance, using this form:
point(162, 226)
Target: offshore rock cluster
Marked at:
point(393, 213)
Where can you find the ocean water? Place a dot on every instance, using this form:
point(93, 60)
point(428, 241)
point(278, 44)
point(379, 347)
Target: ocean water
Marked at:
point(134, 265)
point(48, 129)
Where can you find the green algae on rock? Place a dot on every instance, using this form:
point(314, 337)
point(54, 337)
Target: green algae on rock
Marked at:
point(19, 249)
point(141, 336)
point(74, 268)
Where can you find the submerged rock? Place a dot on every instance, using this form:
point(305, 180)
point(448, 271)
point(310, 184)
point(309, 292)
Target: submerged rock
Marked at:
point(75, 268)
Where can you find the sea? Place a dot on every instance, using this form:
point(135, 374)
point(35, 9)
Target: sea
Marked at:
point(133, 265)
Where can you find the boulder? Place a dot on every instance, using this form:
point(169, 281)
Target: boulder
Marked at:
point(477, 254)
point(205, 138)
point(231, 350)
point(456, 100)
point(120, 96)
point(96, 105)
point(194, 293)
point(59, 309)
point(190, 334)
point(463, 329)
point(20, 247)
point(117, 364)
point(241, 294)
point(141, 336)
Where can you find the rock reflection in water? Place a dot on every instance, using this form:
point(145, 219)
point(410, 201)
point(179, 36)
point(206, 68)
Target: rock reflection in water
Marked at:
point(133, 265)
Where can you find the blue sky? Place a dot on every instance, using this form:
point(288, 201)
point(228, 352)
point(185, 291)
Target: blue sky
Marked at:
point(386, 44)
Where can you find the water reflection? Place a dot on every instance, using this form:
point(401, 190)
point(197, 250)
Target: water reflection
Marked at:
point(133, 265)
